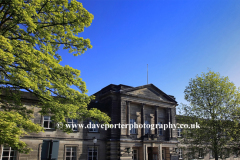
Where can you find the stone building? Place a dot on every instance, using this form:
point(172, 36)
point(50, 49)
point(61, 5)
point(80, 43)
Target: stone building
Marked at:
point(125, 105)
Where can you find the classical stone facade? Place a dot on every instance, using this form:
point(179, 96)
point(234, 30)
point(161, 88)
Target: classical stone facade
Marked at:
point(125, 105)
point(144, 104)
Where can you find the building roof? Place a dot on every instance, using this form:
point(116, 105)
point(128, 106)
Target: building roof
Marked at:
point(149, 91)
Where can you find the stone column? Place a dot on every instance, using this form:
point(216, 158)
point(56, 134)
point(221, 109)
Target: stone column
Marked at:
point(145, 152)
point(128, 117)
point(156, 119)
point(160, 152)
point(170, 121)
point(168, 130)
point(143, 119)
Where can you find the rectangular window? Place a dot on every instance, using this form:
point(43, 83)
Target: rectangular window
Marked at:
point(49, 149)
point(133, 130)
point(211, 154)
point(180, 153)
point(93, 125)
point(135, 154)
point(227, 153)
point(73, 124)
point(92, 153)
point(179, 132)
point(191, 154)
point(47, 122)
point(160, 129)
point(235, 155)
point(163, 154)
point(200, 153)
point(71, 153)
point(147, 127)
point(236, 152)
point(8, 153)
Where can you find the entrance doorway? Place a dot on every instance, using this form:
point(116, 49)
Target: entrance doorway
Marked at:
point(152, 153)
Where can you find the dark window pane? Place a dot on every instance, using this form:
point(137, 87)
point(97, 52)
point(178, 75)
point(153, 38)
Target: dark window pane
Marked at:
point(45, 125)
point(4, 158)
point(68, 158)
point(51, 124)
point(12, 153)
point(68, 153)
point(69, 120)
point(74, 149)
point(74, 154)
point(5, 153)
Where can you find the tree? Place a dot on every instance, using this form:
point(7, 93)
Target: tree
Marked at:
point(214, 104)
point(31, 33)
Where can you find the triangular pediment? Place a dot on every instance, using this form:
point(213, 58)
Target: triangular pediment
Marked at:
point(149, 91)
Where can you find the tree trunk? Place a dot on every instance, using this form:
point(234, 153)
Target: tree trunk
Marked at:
point(216, 156)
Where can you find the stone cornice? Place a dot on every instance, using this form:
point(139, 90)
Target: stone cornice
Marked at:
point(133, 98)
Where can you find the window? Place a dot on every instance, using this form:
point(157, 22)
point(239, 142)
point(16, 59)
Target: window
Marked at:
point(236, 152)
point(92, 153)
point(180, 153)
point(47, 122)
point(235, 155)
point(93, 126)
point(179, 132)
point(200, 153)
point(227, 153)
point(133, 129)
point(211, 154)
point(191, 154)
point(50, 149)
point(73, 124)
point(135, 154)
point(163, 154)
point(160, 130)
point(8, 154)
point(71, 153)
point(147, 127)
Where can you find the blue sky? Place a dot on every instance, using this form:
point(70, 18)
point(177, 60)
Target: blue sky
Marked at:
point(178, 39)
